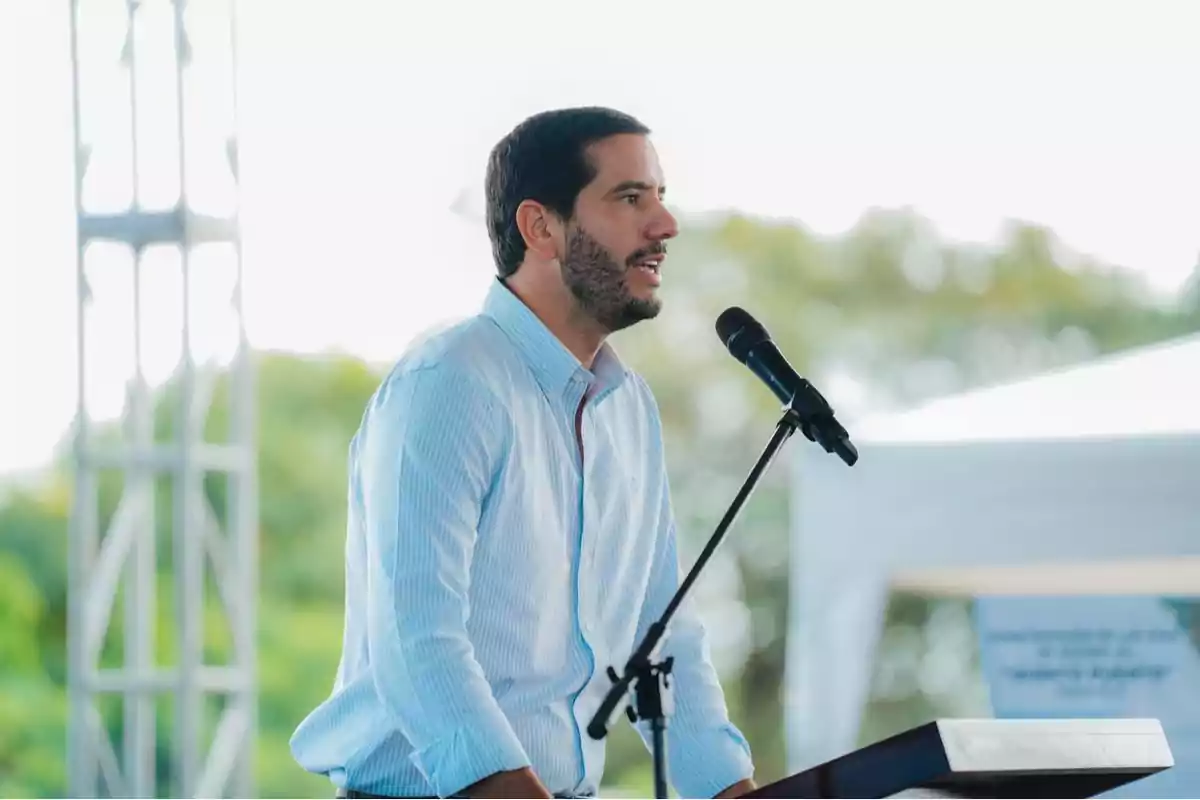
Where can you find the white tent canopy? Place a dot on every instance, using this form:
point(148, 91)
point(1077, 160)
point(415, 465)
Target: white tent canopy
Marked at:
point(1147, 391)
point(1097, 464)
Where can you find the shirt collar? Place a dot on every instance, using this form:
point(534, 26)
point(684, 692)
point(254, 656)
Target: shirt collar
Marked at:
point(556, 369)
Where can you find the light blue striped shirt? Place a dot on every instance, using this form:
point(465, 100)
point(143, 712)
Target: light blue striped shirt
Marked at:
point(510, 536)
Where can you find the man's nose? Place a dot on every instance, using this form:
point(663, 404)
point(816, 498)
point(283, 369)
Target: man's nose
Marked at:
point(664, 226)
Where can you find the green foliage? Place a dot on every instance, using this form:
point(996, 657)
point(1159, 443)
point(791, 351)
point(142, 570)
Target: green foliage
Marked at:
point(889, 302)
point(34, 717)
point(299, 647)
point(926, 667)
point(32, 735)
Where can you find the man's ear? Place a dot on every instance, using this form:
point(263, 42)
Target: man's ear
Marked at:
point(540, 228)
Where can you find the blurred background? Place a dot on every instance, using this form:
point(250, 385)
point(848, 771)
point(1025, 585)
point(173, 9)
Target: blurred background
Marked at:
point(918, 199)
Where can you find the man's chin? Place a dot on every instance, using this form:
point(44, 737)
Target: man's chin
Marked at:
point(641, 309)
point(632, 313)
point(651, 308)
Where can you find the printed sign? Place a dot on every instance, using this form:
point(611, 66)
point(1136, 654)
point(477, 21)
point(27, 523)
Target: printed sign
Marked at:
point(1088, 657)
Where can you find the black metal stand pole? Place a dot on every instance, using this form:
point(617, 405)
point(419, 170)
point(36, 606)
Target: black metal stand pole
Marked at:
point(653, 701)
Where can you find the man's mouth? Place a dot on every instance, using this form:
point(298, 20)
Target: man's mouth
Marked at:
point(650, 265)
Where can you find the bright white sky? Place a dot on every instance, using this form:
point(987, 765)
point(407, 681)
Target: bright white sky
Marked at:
point(361, 124)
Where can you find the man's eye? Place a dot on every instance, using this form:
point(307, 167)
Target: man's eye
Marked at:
point(630, 198)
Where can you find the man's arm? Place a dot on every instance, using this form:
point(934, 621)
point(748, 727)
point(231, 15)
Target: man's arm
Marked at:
point(429, 450)
point(707, 755)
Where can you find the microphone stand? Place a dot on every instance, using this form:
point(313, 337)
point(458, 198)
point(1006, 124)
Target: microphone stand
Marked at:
point(653, 698)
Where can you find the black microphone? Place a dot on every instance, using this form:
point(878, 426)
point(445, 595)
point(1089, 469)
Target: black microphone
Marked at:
point(748, 341)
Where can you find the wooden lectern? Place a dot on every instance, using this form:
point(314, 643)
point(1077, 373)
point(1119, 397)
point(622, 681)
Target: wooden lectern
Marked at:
point(991, 758)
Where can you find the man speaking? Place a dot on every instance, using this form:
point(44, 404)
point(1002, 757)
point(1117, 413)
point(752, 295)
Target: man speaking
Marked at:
point(510, 527)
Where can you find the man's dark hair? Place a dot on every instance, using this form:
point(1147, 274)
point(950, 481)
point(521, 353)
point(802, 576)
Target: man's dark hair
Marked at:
point(544, 159)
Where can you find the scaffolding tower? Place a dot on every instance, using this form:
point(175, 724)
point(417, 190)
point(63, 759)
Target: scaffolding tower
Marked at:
point(172, 677)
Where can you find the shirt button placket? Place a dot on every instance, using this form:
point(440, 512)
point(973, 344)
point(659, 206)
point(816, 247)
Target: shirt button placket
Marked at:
point(585, 577)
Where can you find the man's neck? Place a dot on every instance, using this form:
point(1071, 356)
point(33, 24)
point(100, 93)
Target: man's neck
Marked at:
point(577, 332)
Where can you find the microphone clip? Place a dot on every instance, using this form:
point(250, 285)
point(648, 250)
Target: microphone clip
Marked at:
point(810, 413)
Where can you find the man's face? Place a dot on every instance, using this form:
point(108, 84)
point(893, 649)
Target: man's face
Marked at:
point(616, 242)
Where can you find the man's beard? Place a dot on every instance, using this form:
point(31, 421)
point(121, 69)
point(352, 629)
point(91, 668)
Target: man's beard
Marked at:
point(597, 282)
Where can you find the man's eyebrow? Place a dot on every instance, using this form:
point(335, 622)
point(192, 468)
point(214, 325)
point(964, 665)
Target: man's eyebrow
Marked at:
point(625, 186)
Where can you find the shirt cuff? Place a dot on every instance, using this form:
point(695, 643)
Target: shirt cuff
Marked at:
point(469, 754)
point(709, 760)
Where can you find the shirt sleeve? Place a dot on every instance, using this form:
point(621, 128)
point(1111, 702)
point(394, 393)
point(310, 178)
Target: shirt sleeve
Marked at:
point(706, 753)
point(432, 441)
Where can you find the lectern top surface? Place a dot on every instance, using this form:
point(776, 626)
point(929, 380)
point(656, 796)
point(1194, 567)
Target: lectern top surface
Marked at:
point(991, 758)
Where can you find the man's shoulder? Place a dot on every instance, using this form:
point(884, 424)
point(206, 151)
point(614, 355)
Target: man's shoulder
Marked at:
point(461, 345)
point(638, 383)
point(459, 359)
point(640, 388)
point(644, 404)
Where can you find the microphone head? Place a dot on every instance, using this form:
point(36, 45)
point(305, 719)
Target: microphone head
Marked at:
point(740, 332)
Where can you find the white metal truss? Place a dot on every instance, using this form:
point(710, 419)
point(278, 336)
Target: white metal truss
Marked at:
point(207, 751)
